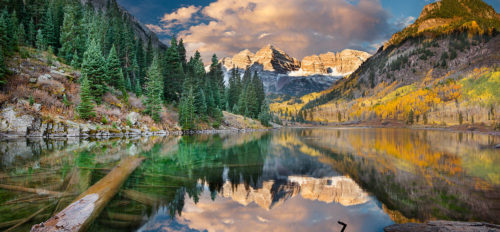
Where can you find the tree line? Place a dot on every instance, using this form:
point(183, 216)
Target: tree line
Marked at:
point(112, 58)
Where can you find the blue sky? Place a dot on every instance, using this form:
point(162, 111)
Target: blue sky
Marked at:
point(299, 27)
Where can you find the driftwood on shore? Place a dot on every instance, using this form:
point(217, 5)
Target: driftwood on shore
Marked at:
point(82, 212)
point(444, 226)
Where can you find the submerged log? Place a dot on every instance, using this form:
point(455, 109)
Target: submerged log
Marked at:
point(31, 190)
point(13, 222)
point(30, 200)
point(124, 217)
point(29, 218)
point(82, 212)
point(141, 197)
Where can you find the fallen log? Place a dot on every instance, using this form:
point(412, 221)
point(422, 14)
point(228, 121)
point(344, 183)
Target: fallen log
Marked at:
point(80, 214)
point(31, 190)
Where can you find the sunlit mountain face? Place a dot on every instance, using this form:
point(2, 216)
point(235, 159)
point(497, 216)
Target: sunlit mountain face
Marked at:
point(293, 180)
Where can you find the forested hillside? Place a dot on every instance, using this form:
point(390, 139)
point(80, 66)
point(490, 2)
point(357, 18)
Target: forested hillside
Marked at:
point(77, 62)
point(442, 70)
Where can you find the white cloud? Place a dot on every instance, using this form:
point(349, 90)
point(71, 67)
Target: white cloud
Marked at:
point(157, 29)
point(300, 27)
point(181, 15)
point(175, 20)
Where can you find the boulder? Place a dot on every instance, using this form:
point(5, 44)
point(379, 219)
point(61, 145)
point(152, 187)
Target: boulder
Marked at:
point(37, 129)
point(15, 124)
point(72, 129)
point(37, 107)
point(133, 117)
point(44, 77)
point(87, 128)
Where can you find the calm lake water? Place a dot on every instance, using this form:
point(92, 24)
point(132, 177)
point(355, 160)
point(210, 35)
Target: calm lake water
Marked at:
point(286, 180)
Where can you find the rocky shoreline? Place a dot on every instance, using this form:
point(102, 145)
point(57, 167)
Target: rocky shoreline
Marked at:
point(14, 125)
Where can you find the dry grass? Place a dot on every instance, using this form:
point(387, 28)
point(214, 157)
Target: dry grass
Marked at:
point(47, 100)
point(113, 113)
point(4, 98)
point(51, 86)
point(135, 102)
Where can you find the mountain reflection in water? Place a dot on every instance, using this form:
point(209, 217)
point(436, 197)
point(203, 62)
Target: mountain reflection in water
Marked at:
point(290, 180)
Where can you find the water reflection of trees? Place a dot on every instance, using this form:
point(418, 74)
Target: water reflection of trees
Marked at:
point(422, 174)
point(198, 161)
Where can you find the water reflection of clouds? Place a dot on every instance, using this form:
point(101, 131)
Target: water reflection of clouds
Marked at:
point(298, 214)
point(242, 210)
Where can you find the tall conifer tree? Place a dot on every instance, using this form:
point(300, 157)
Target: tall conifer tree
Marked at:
point(94, 68)
point(154, 90)
point(86, 107)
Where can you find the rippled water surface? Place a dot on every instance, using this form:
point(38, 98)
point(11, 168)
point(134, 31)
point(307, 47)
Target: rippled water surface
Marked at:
point(286, 180)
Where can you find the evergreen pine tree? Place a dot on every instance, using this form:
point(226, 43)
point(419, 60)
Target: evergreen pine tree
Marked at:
point(70, 38)
point(4, 39)
point(93, 68)
point(138, 88)
point(113, 68)
point(75, 62)
point(120, 84)
point(41, 43)
point(174, 73)
point(49, 29)
point(410, 119)
point(182, 53)
point(259, 90)
point(139, 56)
point(31, 34)
point(264, 115)
point(128, 83)
point(217, 78)
point(154, 90)
point(149, 53)
point(234, 89)
point(21, 35)
point(109, 38)
point(186, 110)
point(209, 97)
point(86, 107)
point(200, 103)
point(12, 24)
point(5, 36)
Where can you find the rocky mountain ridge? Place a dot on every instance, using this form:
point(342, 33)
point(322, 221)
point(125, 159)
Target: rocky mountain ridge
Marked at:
point(140, 29)
point(274, 59)
point(284, 74)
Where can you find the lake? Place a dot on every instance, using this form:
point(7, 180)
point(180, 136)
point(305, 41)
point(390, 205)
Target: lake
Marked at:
point(306, 179)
